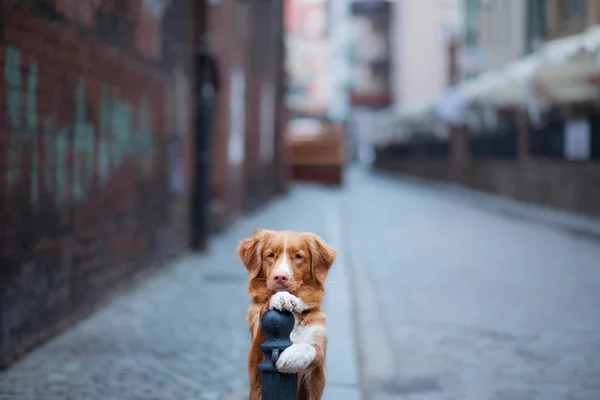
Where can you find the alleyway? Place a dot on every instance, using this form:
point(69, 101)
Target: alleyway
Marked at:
point(436, 295)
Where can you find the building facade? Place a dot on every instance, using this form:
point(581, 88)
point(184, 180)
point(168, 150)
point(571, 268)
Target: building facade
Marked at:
point(502, 31)
point(528, 124)
point(420, 50)
point(371, 73)
point(568, 17)
point(308, 57)
point(125, 129)
point(248, 159)
point(339, 37)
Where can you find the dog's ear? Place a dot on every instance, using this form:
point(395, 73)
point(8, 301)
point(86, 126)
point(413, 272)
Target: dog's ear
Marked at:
point(322, 258)
point(250, 252)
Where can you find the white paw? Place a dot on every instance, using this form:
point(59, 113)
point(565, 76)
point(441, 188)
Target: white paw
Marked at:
point(285, 301)
point(296, 358)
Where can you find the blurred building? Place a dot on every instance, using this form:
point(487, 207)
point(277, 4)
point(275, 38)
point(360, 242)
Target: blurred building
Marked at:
point(340, 41)
point(453, 33)
point(248, 157)
point(308, 55)
point(406, 53)
point(421, 36)
point(502, 31)
point(318, 66)
point(531, 23)
point(371, 70)
point(565, 17)
point(522, 116)
point(128, 131)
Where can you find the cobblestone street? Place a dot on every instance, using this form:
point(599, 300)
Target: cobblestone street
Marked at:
point(436, 295)
point(182, 334)
point(458, 301)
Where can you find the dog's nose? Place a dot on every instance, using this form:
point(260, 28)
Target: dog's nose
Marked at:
point(281, 277)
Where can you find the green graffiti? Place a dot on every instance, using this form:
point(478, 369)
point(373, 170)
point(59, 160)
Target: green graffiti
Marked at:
point(31, 110)
point(20, 138)
point(12, 75)
point(104, 161)
point(83, 145)
point(125, 130)
point(144, 137)
point(14, 90)
point(49, 161)
point(32, 129)
point(121, 127)
point(61, 145)
point(56, 143)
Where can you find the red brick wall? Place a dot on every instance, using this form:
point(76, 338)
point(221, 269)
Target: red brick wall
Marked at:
point(246, 38)
point(93, 170)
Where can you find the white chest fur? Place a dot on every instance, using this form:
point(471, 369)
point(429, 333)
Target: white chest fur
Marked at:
point(305, 333)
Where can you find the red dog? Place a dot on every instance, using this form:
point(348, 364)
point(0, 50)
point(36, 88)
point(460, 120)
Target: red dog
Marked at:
point(286, 271)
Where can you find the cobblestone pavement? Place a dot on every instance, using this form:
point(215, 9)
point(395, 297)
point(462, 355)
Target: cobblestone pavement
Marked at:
point(180, 335)
point(448, 300)
point(460, 303)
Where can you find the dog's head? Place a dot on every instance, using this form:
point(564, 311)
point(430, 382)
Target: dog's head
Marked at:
point(285, 260)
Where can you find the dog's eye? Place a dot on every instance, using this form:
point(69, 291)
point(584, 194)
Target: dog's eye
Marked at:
point(271, 255)
point(298, 257)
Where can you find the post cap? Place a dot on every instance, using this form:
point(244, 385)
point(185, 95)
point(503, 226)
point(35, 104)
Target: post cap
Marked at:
point(278, 324)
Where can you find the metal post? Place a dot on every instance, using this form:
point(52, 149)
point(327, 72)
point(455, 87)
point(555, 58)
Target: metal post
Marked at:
point(206, 92)
point(277, 325)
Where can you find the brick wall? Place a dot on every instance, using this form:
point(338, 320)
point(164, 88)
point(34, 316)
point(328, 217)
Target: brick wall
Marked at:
point(94, 156)
point(249, 165)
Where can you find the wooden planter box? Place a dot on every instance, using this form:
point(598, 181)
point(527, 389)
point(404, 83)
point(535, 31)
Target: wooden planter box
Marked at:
point(320, 158)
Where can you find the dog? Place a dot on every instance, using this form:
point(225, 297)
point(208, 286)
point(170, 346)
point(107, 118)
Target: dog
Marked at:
point(287, 271)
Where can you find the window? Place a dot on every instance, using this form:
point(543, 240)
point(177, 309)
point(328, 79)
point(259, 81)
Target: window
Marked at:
point(536, 27)
point(568, 17)
point(574, 9)
point(472, 22)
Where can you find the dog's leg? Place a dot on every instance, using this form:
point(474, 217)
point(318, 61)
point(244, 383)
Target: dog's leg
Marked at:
point(255, 356)
point(313, 383)
point(307, 355)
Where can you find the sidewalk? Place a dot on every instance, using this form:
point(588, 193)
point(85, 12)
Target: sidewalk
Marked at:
point(182, 334)
point(586, 226)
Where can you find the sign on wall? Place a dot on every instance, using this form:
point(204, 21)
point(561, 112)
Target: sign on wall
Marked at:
point(577, 140)
point(177, 110)
point(156, 7)
point(237, 117)
point(176, 170)
point(267, 122)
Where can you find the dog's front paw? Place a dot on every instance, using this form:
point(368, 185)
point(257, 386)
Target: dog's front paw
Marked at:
point(285, 301)
point(296, 358)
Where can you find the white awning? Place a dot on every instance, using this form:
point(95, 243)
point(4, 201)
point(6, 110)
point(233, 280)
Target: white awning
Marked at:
point(568, 67)
point(591, 39)
point(417, 113)
point(480, 89)
point(470, 89)
point(514, 87)
point(391, 125)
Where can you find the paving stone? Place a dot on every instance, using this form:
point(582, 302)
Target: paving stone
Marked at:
point(489, 307)
point(454, 302)
point(181, 334)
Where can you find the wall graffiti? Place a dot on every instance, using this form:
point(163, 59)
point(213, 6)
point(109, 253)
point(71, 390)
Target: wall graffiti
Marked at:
point(122, 129)
point(85, 167)
point(156, 8)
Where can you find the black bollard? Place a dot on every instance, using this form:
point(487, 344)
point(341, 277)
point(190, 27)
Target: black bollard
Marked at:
point(277, 325)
